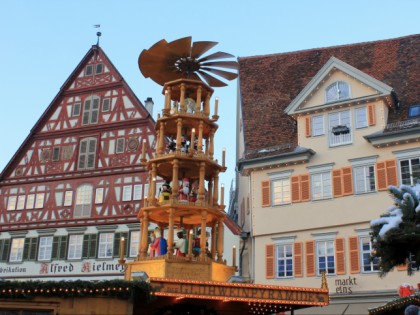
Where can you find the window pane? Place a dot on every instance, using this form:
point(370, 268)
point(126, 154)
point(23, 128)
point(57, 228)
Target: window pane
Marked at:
point(39, 201)
point(45, 248)
point(137, 194)
point(21, 202)
point(317, 125)
point(106, 242)
point(75, 246)
point(16, 252)
point(134, 243)
point(83, 201)
point(11, 204)
point(281, 191)
point(30, 202)
point(99, 196)
point(127, 193)
point(325, 257)
point(68, 198)
point(284, 260)
point(361, 117)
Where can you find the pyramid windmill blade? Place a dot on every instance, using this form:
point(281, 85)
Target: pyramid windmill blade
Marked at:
point(222, 64)
point(217, 55)
point(150, 62)
point(212, 81)
point(180, 47)
point(200, 48)
point(224, 74)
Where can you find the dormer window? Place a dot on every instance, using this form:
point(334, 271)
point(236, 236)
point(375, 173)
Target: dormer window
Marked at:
point(336, 91)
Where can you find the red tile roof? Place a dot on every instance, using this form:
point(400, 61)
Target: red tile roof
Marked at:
point(269, 83)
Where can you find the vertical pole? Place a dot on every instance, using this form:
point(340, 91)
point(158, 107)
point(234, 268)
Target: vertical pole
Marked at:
point(171, 233)
point(175, 181)
point(178, 134)
point(144, 232)
point(220, 241)
point(203, 247)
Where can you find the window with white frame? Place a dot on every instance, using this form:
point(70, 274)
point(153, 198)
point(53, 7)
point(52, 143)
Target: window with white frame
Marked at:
point(137, 192)
point(280, 189)
point(368, 265)
point(134, 243)
point(410, 171)
point(91, 110)
point(16, 250)
point(339, 125)
point(106, 105)
point(76, 109)
point(325, 257)
point(317, 125)
point(83, 204)
point(106, 245)
point(127, 190)
point(99, 68)
point(11, 203)
point(68, 198)
point(120, 145)
point(75, 246)
point(321, 186)
point(21, 202)
point(337, 91)
point(364, 179)
point(99, 195)
point(45, 248)
point(30, 201)
point(39, 201)
point(284, 260)
point(87, 154)
point(89, 70)
point(361, 119)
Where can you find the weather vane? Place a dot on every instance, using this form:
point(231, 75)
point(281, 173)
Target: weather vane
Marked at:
point(98, 33)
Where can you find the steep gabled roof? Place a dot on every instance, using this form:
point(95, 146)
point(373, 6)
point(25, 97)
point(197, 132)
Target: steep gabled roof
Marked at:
point(268, 84)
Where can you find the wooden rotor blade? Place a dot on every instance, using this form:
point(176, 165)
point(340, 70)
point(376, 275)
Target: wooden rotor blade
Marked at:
point(222, 73)
point(200, 48)
point(216, 55)
point(149, 62)
point(180, 47)
point(221, 64)
point(212, 81)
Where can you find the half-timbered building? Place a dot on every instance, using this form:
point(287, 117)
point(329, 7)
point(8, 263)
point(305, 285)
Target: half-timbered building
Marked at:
point(73, 189)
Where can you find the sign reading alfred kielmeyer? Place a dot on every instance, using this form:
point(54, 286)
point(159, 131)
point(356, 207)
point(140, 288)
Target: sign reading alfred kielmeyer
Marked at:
point(231, 291)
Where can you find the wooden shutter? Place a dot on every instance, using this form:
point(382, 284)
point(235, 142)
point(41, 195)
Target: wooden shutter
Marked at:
point(265, 193)
point(391, 172)
point(354, 254)
point(89, 245)
point(269, 261)
point(29, 248)
point(381, 176)
point(337, 190)
point(297, 259)
point(371, 115)
point(310, 258)
point(4, 249)
point(305, 188)
point(339, 256)
point(308, 131)
point(117, 240)
point(347, 181)
point(294, 180)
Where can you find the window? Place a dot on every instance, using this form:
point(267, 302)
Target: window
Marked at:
point(106, 105)
point(30, 201)
point(280, 191)
point(106, 242)
point(414, 110)
point(39, 201)
point(120, 145)
point(361, 117)
point(127, 193)
point(75, 246)
point(321, 186)
point(337, 91)
point(339, 128)
point(87, 153)
point(137, 193)
point(16, 252)
point(99, 68)
point(89, 70)
point(99, 195)
point(364, 179)
point(76, 109)
point(366, 249)
point(83, 201)
point(68, 198)
point(410, 171)
point(45, 248)
point(21, 202)
point(134, 243)
point(11, 203)
point(91, 110)
point(284, 260)
point(325, 255)
point(317, 125)
point(56, 154)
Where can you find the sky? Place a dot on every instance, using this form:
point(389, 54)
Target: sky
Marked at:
point(43, 41)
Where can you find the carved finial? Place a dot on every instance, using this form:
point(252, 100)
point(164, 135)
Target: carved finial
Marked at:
point(324, 284)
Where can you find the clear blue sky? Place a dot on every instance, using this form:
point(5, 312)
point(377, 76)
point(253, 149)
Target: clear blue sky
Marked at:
point(43, 41)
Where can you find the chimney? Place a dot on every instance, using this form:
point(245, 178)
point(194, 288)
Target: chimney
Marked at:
point(148, 103)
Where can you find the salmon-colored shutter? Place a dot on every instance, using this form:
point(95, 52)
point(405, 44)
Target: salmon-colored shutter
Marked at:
point(298, 272)
point(339, 256)
point(295, 188)
point(265, 193)
point(381, 175)
point(371, 115)
point(391, 172)
point(354, 254)
point(308, 131)
point(337, 191)
point(305, 187)
point(402, 267)
point(269, 261)
point(310, 258)
point(347, 181)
